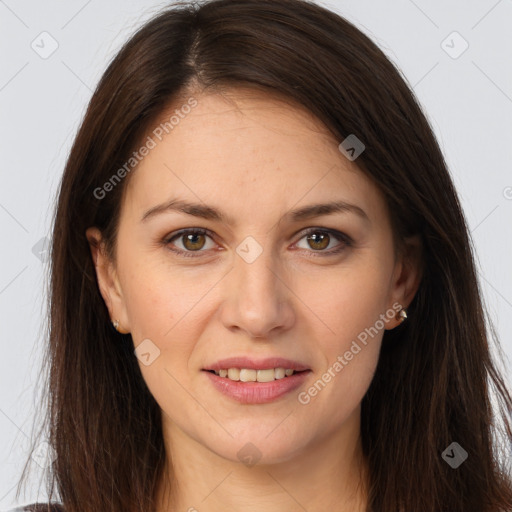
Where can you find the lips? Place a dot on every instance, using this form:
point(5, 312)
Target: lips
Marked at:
point(254, 393)
point(232, 377)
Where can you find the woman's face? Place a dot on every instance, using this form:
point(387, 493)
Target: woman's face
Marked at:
point(254, 284)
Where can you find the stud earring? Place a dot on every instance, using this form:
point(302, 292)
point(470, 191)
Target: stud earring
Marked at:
point(402, 315)
point(115, 323)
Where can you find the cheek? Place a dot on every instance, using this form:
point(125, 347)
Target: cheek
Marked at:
point(352, 352)
point(351, 300)
point(350, 359)
point(166, 307)
point(169, 306)
point(158, 295)
point(352, 307)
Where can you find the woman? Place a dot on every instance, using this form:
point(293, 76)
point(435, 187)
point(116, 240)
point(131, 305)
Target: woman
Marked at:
point(263, 295)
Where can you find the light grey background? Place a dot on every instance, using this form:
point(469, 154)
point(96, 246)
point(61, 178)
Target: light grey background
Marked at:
point(468, 100)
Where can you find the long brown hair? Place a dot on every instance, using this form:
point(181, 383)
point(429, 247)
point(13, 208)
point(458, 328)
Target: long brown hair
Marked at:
point(435, 377)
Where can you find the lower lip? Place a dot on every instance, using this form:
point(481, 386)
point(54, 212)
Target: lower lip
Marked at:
point(257, 392)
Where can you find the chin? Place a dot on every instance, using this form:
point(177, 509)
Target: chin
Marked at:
point(258, 448)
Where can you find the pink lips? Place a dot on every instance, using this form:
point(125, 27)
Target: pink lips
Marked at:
point(257, 392)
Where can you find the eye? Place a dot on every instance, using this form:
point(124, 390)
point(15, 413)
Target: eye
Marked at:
point(320, 239)
point(191, 240)
point(194, 240)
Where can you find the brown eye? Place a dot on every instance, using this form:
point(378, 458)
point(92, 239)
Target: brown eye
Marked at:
point(323, 242)
point(189, 241)
point(193, 241)
point(318, 240)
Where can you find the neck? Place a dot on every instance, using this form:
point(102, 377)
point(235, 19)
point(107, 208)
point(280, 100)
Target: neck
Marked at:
point(329, 475)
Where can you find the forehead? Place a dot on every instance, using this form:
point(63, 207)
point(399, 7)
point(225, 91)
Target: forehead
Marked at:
point(247, 151)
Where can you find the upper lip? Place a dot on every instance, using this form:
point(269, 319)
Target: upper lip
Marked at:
point(256, 364)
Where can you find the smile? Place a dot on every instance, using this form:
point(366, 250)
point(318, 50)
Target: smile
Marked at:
point(250, 375)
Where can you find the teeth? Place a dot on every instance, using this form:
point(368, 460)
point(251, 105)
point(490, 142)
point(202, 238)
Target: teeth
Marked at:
point(233, 374)
point(249, 375)
point(266, 375)
point(280, 373)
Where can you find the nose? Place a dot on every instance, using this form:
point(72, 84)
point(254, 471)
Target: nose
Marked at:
point(258, 299)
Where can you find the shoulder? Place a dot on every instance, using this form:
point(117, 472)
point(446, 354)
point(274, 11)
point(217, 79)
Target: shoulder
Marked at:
point(39, 507)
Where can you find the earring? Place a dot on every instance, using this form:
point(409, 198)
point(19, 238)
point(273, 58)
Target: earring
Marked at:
point(115, 323)
point(402, 315)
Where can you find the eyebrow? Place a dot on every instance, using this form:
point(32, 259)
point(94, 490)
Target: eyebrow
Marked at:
point(210, 213)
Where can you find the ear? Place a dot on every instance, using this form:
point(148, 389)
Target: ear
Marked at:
point(407, 275)
point(108, 281)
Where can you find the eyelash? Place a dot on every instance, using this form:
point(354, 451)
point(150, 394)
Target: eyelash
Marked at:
point(342, 237)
